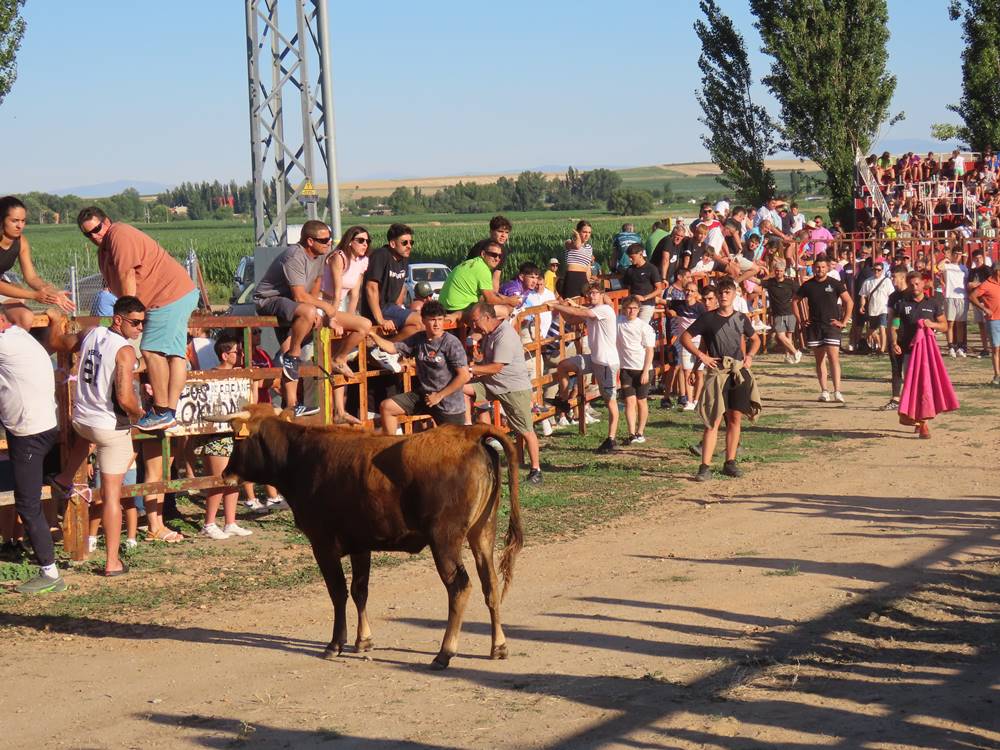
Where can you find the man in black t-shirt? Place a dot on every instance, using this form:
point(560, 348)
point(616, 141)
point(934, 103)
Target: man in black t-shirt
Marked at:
point(643, 280)
point(781, 291)
point(978, 273)
point(908, 311)
point(823, 322)
point(723, 335)
point(895, 360)
point(384, 285)
point(666, 255)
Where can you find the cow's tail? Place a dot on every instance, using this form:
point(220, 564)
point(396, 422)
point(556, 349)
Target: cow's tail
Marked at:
point(514, 540)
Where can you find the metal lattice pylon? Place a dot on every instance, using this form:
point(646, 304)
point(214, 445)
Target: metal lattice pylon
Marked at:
point(290, 163)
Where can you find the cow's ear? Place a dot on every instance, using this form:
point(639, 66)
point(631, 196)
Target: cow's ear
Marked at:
point(287, 415)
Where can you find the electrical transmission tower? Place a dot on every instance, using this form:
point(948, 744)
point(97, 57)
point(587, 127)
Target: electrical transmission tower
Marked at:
point(291, 160)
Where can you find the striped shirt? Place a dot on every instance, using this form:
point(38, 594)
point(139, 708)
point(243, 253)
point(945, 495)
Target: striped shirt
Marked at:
point(582, 256)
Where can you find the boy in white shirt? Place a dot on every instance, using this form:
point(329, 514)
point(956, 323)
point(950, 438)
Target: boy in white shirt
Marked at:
point(956, 312)
point(602, 362)
point(636, 340)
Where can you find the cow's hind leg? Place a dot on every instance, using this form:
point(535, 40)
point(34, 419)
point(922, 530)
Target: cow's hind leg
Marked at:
point(456, 582)
point(336, 586)
point(481, 541)
point(361, 565)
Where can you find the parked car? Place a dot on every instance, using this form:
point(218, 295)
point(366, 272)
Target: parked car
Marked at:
point(433, 273)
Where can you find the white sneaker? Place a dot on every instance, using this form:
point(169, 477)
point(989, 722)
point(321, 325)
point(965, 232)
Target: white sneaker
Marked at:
point(798, 356)
point(277, 502)
point(232, 529)
point(385, 360)
point(690, 406)
point(962, 354)
point(212, 531)
point(546, 427)
point(91, 544)
point(788, 359)
point(131, 544)
point(591, 420)
point(592, 414)
point(951, 352)
point(255, 505)
point(838, 397)
point(638, 439)
point(824, 396)
point(561, 422)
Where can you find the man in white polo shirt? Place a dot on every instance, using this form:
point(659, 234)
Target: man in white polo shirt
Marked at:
point(28, 415)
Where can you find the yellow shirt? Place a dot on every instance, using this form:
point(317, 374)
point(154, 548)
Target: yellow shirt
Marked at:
point(550, 280)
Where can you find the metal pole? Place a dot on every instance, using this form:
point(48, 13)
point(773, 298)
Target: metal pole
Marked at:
point(256, 147)
point(329, 126)
point(305, 103)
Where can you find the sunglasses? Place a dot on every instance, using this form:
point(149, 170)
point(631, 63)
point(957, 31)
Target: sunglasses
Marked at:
point(406, 243)
point(362, 240)
point(322, 240)
point(135, 321)
point(96, 228)
point(493, 255)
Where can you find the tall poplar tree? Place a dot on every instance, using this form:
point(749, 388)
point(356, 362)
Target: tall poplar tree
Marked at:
point(742, 134)
point(829, 76)
point(980, 104)
point(11, 31)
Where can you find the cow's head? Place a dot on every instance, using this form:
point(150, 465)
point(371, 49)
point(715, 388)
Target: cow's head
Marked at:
point(261, 448)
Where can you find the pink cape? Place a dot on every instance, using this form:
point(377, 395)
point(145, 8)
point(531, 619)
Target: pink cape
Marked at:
point(927, 389)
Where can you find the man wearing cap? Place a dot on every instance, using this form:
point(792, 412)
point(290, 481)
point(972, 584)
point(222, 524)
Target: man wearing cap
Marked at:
point(552, 275)
point(781, 291)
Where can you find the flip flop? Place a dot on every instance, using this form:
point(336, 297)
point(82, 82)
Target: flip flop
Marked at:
point(116, 573)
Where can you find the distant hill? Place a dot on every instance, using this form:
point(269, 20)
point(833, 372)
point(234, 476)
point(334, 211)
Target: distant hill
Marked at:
point(104, 189)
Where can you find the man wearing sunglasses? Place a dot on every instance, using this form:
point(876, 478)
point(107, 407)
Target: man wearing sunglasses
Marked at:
point(289, 290)
point(104, 406)
point(134, 264)
point(383, 289)
point(471, 281)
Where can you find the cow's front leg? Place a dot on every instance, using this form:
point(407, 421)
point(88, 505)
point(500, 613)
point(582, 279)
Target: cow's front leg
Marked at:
point(361, 565)
point(456, 582)
point(336, 586)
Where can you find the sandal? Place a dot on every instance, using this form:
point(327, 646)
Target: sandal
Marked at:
point(165, 535)
point(115, 573)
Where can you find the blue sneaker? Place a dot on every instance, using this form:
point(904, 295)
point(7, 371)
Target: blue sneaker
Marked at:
point(301, 410)
point(153, 422)
point(290, 366)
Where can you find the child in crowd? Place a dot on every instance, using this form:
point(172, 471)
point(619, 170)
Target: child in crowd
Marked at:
point(682, 314)
point(636, 340)
point(216, 453)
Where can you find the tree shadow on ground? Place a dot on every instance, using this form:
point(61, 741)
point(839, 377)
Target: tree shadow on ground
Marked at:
point(921, 651)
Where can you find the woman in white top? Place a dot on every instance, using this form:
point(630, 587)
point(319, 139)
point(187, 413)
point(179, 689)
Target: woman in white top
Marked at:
point(342, 280)
point(579, 259)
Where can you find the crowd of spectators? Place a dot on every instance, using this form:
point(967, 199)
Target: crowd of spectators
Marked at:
point(713, 289)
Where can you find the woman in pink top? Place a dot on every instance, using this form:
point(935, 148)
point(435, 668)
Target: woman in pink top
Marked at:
point(341, 284)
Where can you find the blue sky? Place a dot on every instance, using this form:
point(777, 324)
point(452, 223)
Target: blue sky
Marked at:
point(157, 91)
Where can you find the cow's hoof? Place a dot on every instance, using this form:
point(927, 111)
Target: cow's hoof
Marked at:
point(440, 662)
point(332, 651)
point(365, 644)
point(499, 652)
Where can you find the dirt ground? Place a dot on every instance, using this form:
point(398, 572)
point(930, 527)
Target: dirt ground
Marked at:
point(851, 599)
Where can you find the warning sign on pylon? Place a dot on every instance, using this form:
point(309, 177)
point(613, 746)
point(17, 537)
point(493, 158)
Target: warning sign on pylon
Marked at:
point(308, 190)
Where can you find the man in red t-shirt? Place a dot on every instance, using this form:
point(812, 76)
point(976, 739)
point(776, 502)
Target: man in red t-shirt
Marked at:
point(133, 263)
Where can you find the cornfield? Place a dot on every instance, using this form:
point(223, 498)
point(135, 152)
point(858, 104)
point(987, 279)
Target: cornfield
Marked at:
point(220, 245)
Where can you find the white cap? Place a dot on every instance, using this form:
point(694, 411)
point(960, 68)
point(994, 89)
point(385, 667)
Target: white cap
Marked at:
point(722, 207)
point(553, 260)
point(811, 224)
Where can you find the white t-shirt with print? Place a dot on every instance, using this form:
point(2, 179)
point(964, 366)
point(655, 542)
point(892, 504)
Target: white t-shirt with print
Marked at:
point(27, 384)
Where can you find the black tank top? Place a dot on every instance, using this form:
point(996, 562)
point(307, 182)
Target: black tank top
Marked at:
point(9, 256)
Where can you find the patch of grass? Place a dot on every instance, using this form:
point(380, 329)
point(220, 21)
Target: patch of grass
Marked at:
point(16, 571)
point(792, 570)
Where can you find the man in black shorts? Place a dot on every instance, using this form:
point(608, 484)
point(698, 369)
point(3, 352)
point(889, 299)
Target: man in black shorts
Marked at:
point(730, 390)
point(442, 370)
point(781, 291)
point(824, 322)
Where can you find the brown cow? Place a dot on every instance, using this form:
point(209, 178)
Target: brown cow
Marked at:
point(353, 492)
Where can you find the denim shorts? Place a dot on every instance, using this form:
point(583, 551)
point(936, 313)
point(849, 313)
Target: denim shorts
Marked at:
point(166, 327)
point(995, 332)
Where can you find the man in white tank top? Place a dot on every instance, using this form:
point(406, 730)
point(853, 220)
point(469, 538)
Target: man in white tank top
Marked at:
point(104, 408)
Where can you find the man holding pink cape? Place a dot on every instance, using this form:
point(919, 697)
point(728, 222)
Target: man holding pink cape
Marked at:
point(927, 390)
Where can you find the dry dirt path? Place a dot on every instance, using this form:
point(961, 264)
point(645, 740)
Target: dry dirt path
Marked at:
point(844, 601)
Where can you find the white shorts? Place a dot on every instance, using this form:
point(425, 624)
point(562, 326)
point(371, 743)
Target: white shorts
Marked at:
point(956, 309)
point(114, 447)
